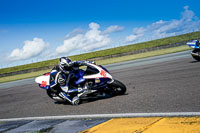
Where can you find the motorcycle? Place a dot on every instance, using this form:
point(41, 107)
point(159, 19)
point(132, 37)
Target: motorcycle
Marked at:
point(96, 77)
point(196, 49)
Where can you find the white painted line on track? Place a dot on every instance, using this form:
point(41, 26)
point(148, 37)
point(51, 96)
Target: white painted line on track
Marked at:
point(122, 115)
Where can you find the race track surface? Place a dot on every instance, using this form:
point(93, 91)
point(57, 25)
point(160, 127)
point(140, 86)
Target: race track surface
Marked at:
point(167, 83)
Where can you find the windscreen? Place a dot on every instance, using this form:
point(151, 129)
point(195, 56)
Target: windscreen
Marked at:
point(91, 70)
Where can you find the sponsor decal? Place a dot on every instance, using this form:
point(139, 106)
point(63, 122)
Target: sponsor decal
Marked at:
point(97, 80)
point(103, 73)
point(44, 84)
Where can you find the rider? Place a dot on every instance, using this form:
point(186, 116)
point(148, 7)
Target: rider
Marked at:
point(61, 75)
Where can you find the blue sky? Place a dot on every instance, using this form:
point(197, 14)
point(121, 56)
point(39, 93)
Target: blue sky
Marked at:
point(36, 30)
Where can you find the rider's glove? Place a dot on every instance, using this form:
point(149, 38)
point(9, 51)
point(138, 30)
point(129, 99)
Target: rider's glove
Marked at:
point(61, 80)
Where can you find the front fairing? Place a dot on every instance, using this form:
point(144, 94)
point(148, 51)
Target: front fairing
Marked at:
point(104, 69)
point(100, 83)
point(96, 71)
point(99, 75)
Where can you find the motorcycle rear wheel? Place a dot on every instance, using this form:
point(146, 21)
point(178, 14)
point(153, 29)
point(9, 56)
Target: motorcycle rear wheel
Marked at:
point(118, 88)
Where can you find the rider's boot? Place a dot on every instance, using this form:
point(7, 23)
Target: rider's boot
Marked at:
point(82, 90)
point(65, 97)
point(74, 101)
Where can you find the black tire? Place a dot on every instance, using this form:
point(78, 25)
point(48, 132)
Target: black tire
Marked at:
point(196, 54)
point(196, 57)
point(118, 88)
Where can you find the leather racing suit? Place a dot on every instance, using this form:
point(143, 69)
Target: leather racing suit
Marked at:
point(59, 80)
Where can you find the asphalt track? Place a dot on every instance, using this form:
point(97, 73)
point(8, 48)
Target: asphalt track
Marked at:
point(167, 83)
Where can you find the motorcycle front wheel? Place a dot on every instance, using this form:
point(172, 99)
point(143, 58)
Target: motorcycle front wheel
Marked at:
point(196, 57)
point(117, 88)
point(195, 54)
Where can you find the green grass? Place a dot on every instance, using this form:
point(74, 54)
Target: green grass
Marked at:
point(143, 55)
point(122, 49)
point(103, 62)
point(22, 76)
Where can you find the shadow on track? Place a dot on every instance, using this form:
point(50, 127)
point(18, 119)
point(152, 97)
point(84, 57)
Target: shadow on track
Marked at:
point(91, 99)
point(194, 61)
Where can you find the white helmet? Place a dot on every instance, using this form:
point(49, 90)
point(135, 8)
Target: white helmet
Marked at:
point(65, 63)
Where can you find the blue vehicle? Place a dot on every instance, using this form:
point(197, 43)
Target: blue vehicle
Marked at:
point(195, 44)
point(96, 77)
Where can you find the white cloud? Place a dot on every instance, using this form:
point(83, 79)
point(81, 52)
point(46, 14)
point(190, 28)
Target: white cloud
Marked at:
point(137, 32)
point(187, 23)
point(131, 38)
point(113, 28)
point(30, 49)
point(74, 33)
point(91, 40)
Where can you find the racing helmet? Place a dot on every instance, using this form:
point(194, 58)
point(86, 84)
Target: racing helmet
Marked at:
point(65, 63)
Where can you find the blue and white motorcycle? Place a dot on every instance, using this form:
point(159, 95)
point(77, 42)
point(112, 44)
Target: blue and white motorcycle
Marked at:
point(97, 79)
point(196, 49)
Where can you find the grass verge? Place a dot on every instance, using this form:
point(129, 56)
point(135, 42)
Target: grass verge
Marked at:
point(104, 62)
point(111, 51)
